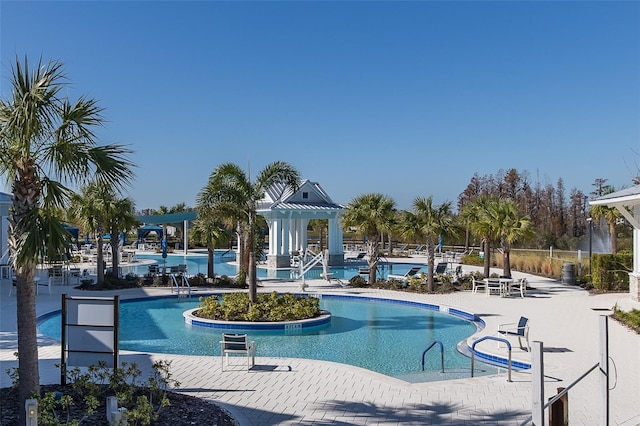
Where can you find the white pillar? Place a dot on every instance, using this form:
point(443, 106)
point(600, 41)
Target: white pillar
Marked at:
point(184, 237)
point(286, 237)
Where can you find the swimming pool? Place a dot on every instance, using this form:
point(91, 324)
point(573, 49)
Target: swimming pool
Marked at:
point(223, 265)
point(381, 335)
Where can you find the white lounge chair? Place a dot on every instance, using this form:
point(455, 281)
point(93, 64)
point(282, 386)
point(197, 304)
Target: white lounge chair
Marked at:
point(406, 277)
point(237, 344)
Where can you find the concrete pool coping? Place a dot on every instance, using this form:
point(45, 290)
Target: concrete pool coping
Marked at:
point(296, 391)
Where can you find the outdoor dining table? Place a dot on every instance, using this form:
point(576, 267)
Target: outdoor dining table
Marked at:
point(504, 286)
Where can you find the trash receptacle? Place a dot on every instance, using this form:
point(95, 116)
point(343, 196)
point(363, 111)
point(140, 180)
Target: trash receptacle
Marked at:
point(569, 273)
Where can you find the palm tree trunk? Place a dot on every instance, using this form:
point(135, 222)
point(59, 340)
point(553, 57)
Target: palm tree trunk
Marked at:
point(115, 254)
point(487, 256)
point(430, 263)
point(253, 285)
point(210, 259)
point(372, 251)
point(506, 262)
point(29, 381)
point(99, 259)
point(613, 238)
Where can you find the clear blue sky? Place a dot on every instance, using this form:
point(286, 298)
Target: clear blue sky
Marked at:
point(404, 98)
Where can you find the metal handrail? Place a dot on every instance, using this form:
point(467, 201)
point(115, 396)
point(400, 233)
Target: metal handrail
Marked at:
point(561, 393)
point(441, 354)
point(498, 339)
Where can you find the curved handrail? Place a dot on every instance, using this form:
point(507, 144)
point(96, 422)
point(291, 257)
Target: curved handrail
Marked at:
point(441, 354)
point(497, 339)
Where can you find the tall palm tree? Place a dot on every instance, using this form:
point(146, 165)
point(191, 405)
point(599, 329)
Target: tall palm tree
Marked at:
point(209, 230)
point(510, 226)
point(428, 222)
point(99, 209)
point(611, 215)
point(231, 193)
point(370, 214)
point(46, 143)
point(479, 215)
point(120, 216)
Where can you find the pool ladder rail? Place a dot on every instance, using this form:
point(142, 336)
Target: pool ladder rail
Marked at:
point(439, 343)
point(178, 287)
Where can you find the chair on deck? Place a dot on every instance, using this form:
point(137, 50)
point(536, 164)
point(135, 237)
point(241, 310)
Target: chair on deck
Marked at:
point(154, 270)
point(359, 257)
point(56, 274)
point(520, 330)
point(406, 277)
point(493, 286)
point(237, 344)
point(441, 268)
point(521, 286)
point(478, 285)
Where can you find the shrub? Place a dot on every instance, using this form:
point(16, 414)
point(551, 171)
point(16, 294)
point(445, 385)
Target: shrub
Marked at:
point(269, 307)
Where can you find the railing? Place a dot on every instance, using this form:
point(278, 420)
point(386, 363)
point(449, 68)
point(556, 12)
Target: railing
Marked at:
point(498, 339)
point(537, 395)
point(185, 283)
point(437, 342)
point(306, 267)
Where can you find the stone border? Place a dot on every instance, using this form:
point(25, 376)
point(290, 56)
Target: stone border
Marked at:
point(323, 319)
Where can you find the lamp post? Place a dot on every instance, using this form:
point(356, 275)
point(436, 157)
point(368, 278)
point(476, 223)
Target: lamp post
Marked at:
point(589, 219)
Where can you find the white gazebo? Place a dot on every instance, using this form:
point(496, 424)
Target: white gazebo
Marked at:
point(627, 201)
point(288, 213)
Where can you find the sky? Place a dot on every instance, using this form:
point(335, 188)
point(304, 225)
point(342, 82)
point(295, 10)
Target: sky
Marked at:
point(409, 99)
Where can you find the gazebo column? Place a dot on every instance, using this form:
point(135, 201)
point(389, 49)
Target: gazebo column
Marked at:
point(276, 258)
point(185, 238)
point(336, 253)
point(634, 276)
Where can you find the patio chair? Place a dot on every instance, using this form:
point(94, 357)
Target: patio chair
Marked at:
point(154, 270)
point(406, 277)
point(237, 344)
point(493, 286)
point(441, 268)
point(359, 257)
point(520, 330)
point(521, 286)
point(478, 285)
point(56, 274)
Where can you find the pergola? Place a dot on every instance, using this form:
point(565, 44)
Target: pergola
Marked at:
point(165, 219)
point(288, 214)
point(627, 202)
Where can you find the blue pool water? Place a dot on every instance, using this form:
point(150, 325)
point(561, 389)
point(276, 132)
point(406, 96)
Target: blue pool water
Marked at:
point(223, 265)
point(383, 336)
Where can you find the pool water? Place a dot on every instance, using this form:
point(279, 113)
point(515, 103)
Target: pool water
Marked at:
point(224, 265)
point(384, 336)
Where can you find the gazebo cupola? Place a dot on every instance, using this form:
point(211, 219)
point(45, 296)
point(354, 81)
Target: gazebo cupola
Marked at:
point(288, 213)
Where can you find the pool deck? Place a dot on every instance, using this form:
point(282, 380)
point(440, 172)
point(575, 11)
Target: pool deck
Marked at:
point(281, 391)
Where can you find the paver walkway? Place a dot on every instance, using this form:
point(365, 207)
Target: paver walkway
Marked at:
point(282, 391)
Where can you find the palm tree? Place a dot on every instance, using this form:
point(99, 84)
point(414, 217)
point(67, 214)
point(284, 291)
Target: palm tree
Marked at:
point(428, 222)
point(120, 217)
point(209, 231)
point(611, 215)
point(370, 214)
point(510, 226)
point(231, 193)
point(99, 210)
point(478, 213)
point(46, 143)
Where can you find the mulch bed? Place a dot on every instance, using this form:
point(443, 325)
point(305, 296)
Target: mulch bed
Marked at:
point(184, 410)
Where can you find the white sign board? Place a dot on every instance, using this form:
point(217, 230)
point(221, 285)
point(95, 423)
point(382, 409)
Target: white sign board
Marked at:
point(90, 331)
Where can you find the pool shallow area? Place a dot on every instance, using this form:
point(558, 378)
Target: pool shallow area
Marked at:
point(224, 265)
point(382, 335)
